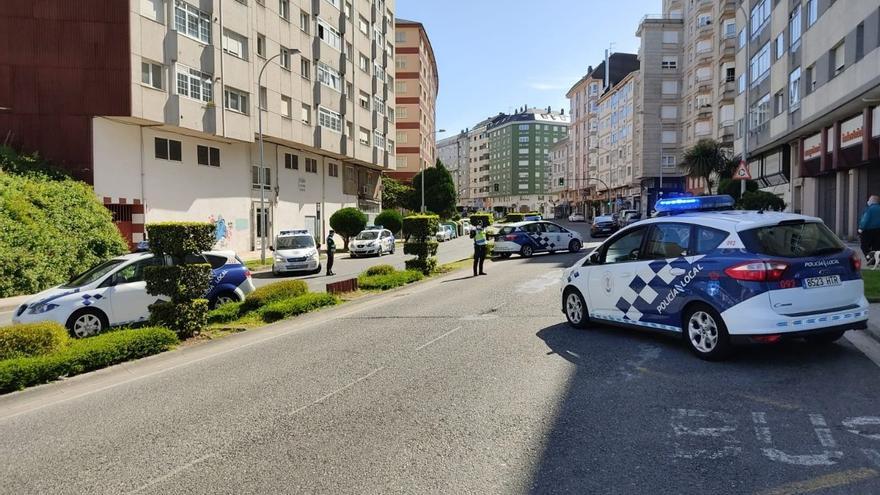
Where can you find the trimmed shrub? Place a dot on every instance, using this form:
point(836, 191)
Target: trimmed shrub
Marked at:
point(84, 355)
point(389, 280)
point(186, 318)
point(421, 249)
point(178, 239)
point(273, 292)
point(483, 219)
point(184, 282)
point(226, 313)
point(761, 200)
point(32, 339)
point(348, 222)
point(518, 217)
point(380, 270)
point(293, 306)
point(425, 266)
point(391, 220)
point(421, 226)
point(420, 230)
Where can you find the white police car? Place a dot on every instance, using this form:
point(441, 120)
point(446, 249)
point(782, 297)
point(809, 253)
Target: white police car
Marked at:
point(719, 277)
point(528, 238)
point(114, 293)
point(372, 241)
point(295, 251)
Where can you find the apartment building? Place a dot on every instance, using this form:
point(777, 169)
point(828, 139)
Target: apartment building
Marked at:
point(519, 147)
point(807, 116)
point(614, 163)
point(453, 153)
point(416, 98)
point(560, 170)
point(157, 103)
point(478, 157)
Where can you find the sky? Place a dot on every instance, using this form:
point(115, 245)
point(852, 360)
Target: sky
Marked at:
point(496, 55)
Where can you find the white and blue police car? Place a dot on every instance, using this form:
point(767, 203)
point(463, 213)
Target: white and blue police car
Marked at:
point(114, 293)
point(295, 251)
point(720, 276)
point(530, 237)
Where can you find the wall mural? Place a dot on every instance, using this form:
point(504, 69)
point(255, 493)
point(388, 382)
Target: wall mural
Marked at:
point(222, 230)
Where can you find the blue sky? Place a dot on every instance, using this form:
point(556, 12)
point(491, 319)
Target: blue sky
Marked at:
point(496, 55)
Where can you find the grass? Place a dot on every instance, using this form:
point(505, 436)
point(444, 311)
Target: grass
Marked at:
point(387, 281)
point(872, 285)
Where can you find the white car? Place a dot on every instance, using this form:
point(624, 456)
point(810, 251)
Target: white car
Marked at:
point(372, 242)
point(295, 251)
point(576, 217)
point(114, 293)
point(443, 234)
point(717, 277)
point(528, 238)
point(466, 227)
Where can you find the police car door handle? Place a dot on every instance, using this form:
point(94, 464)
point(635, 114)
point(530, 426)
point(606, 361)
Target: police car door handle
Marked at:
point(677, 272)
point(626, 275)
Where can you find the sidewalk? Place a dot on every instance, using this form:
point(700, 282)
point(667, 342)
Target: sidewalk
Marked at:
point(874, 321)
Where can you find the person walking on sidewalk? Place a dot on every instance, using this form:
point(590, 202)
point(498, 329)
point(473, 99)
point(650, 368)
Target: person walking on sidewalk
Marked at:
point(480, 246)
point(869, 226)
point(331, 248)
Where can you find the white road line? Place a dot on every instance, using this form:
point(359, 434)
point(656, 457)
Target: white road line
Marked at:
point(173, 472)
point(867, 345)
point(426, 344)
point(337, 391)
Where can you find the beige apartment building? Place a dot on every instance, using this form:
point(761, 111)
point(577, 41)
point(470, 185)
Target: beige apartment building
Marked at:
point(454, 153)
point(478, 157)
point(416, 98)
point(614, 163)
point(181, 143)
point(560, 170)
point(807, 111)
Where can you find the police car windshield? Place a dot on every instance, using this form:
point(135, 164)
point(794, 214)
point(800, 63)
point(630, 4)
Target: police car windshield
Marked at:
point(797, 240)
point(295, 242)
point(366, 236)
point(93, 274)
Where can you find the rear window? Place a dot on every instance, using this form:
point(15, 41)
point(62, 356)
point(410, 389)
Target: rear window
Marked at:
point(506, 230)
point(796, 240)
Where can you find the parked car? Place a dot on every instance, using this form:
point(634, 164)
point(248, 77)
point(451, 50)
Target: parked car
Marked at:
point(576, 217)
point(453, 231)
point(466, 226)
point(528, 238)
point(629, 217)
point(295, 251)
point(443, 233)
point(114, 293)
point(375, 241)
point(603, 226)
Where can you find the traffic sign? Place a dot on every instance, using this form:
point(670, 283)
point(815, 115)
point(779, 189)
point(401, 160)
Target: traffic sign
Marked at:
point(742, 172)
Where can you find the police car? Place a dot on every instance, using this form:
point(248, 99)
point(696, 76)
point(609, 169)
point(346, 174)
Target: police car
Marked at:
point(114, 293)
point(295, 251)
point(374, 240)
point(719, 276)
point(528, 238)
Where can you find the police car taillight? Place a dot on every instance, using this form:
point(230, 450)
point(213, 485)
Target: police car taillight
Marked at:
point(247, 274)
point(757, 271)
point(856, 262)
point(510, 237)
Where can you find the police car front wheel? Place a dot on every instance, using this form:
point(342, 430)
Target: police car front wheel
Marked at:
point(575, 308)
point(527, 251)
point(87, 322)
point(705, 333)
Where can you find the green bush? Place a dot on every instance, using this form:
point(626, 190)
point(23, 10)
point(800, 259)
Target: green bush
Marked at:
point(186, 318)
point(426, 266)
point(732, 187)
point(391, 220)
point(85, 355)
point(420, 230)
point(421, 249)
point(348, 222)
point(179, 282)
point(178, 239)
point(380, 270)
point(226, 313)
point(389, 280)
point(274, 292)
point(518, 217)
point(293, 306)
point(50, 230)
point(32, 339)
point(761, 200)
point(483, 219)
point(421, 227)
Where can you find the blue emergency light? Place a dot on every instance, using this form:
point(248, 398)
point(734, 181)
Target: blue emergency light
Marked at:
point(294, 232)
point(671, 206)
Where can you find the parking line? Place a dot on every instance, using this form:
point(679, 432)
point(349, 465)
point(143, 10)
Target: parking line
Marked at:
point(173, 472)
point(822, 482)
point(426, 344)
point(337, 391)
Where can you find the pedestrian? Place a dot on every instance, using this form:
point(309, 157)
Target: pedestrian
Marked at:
point(869, 226)
point(331, 248)
point(480, 246)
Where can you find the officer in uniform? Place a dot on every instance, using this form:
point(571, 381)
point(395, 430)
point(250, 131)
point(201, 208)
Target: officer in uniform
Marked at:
point(480, 246)
point(331, 248)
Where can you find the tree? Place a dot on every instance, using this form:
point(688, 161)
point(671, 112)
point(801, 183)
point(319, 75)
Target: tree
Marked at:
point(732, 187)
point(420, 230)
point(395, 194)
point(761, 200)
point(440, 194)
point(706, 159)
point(348, 222)
point(391, 220)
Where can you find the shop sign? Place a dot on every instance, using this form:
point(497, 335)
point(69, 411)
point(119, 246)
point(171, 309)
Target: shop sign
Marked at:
point(813, 147)
point(852, 131)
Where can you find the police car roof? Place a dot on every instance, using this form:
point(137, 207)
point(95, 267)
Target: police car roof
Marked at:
point(732, 219)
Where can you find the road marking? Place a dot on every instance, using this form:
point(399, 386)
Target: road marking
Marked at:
point(770, 402)
point(426, 344)
point(173, 472)
point(540, 284)
point(867, 345)
point(730, 445)
point(823, 482)
point(658, 374)
point(852, 425)
point(337, 391)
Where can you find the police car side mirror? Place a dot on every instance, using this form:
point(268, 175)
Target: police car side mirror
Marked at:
point(594, 259)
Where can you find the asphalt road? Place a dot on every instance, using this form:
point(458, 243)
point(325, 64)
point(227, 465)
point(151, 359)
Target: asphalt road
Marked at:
point(457, 385)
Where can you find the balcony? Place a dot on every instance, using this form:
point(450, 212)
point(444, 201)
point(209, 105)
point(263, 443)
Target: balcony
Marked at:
point(727, 91)
point(703, 56)
point(726, 132)
point(727, 48)
point(728, 6)
point(704, 111)
point(705, 30)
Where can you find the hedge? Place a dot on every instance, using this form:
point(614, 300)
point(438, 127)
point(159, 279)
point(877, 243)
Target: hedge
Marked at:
point(421, 249)
point(32, 339)
point(380, 270)
point(484, 219)
point(226, 313)
point(293, 306)
point(426, 266)
point(519, 217)
point(420, 226)
point(273, 292)
point(389, 280)
point(178, 239)
point(391, 220)
point(179, 282)
point(85, 355)
point(186, 318)
point(420, 230)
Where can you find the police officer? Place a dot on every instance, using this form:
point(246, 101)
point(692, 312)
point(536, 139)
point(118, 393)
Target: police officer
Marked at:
point(480, 246)
point(331, 248)
point(869, 226)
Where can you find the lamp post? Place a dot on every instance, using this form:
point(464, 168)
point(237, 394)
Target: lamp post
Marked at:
point(439, 131)
point(748, 110)
point(261, 175)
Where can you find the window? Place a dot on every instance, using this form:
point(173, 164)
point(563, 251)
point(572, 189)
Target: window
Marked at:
point(760, 15)
point(364, 100)
point(741, 85)
point(837, 59)
point(363, 63)
point(235, 44)
point(194, 84)
point(780, 46)
point(794, 26)
point(153, 9)
point(760, 64)
point(304, 21)
point(668, 112)
point(291, 161)
point(401, 137)
point(347, 9)
point(379, 103)
point(667, 162)
point(760, 113)
point(335, 3)
point(812, 12)
point(192, 22)
point(168, 149)
point(305, 68)
point(669, 62)
point(306, 114)
point(400, 36)
point(349, 91)
point(794, 90)
point(670, 36)
point(265, 180)
point(286, 107)
point(779, 102)
point(329, 119)
point(349, 49)
point(311, 165)
point(860, 41)
point(329, 77)
point(813, 239)
point(364, 26)
point(329, 35)
point(668, 240)
point(625, 248)
point(364, 136)
point(151, 74)
point(378, 140)
point(208, 156)
point(811, 78)
point(400, 87)
point(235, 100)
point(264, 98)
point(261, 45)
point(704, 20)
point(333, 169)
point(730, 28)
point(402, 112)
point(708, 239)
point(741, 41)
point(670, 87)
point(284, 9)
point(284, 59)
point(669, 137)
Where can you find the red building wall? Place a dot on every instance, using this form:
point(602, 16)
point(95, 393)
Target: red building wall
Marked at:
point(61, 63)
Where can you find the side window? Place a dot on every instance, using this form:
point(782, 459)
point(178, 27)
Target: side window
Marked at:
point(668, 240)
point(533, 228)
point(625, 248)
point(708, 239)
point(215, 261)
point(194, 259)
point(134, 272)
point(552, 228)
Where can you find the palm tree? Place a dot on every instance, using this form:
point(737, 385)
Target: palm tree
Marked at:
point(706, 159)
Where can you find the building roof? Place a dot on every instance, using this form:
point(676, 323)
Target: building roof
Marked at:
point(621, 65)
point(531, 115)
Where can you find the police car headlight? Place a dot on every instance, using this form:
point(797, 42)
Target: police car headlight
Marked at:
point(314, 255)
point(41, 308)
point(279, 258)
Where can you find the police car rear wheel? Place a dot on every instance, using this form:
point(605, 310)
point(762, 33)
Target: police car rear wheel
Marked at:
point(224, 298)
point(87, 322)
point(574, 246)
point(706, 334)
point(527, 251)
point(575, 308)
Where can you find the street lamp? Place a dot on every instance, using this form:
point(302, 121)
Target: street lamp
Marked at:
point(263, 218)
point(439, 131)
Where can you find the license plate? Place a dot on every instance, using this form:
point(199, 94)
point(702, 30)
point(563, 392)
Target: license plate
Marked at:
point(296, 265)
point(826, 281)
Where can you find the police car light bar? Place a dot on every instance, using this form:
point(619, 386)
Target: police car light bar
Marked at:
point(294, 232)
point(671, 206)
